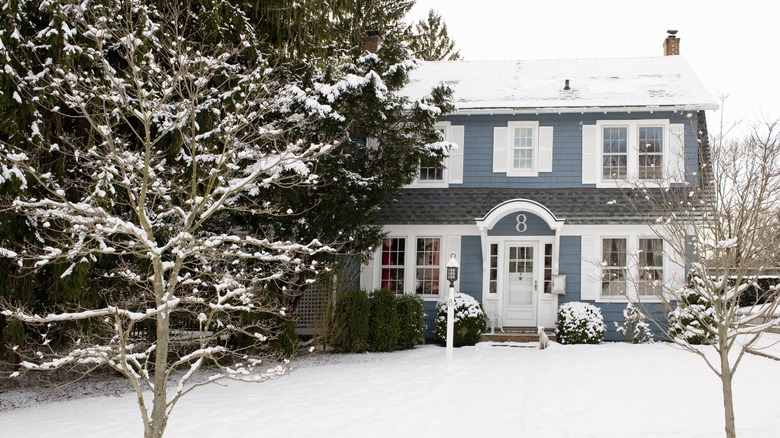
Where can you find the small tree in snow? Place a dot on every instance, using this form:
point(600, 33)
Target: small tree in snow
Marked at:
point(180, 137)
point(635, 329)
point(720, 223)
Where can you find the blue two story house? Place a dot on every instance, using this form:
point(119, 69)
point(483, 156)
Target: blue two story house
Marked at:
point(530, 202)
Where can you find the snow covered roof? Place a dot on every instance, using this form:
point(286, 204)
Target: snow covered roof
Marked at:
point(666, 82)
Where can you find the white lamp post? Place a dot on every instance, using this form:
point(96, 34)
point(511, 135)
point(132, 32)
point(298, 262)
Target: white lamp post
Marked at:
point(452, 276)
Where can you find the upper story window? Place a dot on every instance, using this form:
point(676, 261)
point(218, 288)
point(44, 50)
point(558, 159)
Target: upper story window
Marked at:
point(615, 152)
point(523, 149)
point(618, 151)
point(443, 171)
point(433, 170)
point(651, 147)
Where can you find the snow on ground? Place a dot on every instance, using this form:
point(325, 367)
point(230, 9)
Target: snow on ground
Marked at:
point(607, 390)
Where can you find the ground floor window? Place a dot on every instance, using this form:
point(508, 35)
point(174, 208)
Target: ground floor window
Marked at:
point(393, 259)
point(613, 267)
point(493, 281)
point(427, 266)
point(548, 262)
point(651, 266)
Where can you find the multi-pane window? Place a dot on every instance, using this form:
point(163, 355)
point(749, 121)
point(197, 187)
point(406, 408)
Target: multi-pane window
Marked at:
point(427, 266)
point(651, 266)
point(393, 259)
point(613, 267)
point(493, 281)
point(432, 168)
point(523, 149)
point(548, 257)
point(614, 153)
point(650, 152)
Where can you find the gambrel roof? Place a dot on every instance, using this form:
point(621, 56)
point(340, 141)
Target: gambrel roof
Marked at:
point(652, 83)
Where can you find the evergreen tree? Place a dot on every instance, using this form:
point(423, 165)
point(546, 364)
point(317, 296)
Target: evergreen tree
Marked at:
point(429, 41)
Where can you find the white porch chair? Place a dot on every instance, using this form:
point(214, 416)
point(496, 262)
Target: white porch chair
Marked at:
point(493, 316)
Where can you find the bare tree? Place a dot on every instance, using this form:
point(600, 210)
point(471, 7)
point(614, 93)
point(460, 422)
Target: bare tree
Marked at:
point(179, 137)
point(719, 224)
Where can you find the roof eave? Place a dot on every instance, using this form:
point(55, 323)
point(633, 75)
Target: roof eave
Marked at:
point(582, 110)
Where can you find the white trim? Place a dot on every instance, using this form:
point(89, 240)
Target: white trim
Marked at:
point(587, 109)
point(513, 205)
point(632, 151)
point(510, 169)
point(451, 159)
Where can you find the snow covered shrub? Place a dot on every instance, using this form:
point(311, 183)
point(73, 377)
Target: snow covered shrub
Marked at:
point(349, 330)
point(692, 320)
point(410, 317)
point(579, 323)
point(635, 330)
point(469, 321)
point(383, 326)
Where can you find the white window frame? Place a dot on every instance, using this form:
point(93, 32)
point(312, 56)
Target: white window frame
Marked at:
point(605, 267)
point(641, 285)
point(405, 249)
point(660, 170)
point(445, 176)
point(510, 168)
point(437, 267)
point(632, 149)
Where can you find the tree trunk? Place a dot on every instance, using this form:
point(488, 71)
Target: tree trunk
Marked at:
point(159, 414)
point(728, 396)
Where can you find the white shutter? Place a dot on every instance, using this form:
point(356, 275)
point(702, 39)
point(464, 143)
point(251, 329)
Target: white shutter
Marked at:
point(500, 142)
point(455, 165)
point(674, 269)
point(590, 155)
point(545, 149)
point(453, 246)
point(367, 274)
point(675, 154)
point(590, 278)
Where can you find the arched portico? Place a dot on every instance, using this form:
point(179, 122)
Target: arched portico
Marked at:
point(520, 247)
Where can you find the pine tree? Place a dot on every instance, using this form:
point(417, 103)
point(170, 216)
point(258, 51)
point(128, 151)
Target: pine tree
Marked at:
point(429, 41)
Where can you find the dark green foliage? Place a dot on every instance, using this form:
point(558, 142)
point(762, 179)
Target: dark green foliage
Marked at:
point(286, 341)
point(429, 41)
point(410, 318)
point(349, 330)
point(383, 324)
point(469, 321)
point(579, 323)
point(692, 320)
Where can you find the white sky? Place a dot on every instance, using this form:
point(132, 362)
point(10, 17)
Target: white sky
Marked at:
point(732, 45)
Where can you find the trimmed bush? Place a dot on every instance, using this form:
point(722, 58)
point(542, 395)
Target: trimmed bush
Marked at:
point(469, 321)
point(410, 317)
point(692, 320)
point(383, 325)
point(579, 323)
point(349, 330)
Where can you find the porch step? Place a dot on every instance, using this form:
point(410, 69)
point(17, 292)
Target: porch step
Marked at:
point(516, 335)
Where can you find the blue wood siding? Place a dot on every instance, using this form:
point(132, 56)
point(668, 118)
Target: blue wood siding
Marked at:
point(471, 266)
point(569, 264)
point(507, 226)
point(567, 147)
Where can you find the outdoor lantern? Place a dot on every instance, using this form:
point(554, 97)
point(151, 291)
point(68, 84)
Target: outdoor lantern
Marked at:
point(452, 276)
point(452, 270)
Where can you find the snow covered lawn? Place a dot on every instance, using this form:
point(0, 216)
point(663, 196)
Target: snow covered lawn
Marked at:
point(608, 390)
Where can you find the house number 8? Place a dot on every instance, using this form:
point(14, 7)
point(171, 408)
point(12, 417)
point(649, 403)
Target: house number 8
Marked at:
point(521, 225)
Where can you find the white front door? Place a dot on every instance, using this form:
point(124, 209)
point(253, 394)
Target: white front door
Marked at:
point(520, 285)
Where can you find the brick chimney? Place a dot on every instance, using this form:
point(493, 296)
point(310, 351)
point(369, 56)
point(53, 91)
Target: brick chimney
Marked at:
point(371, 41)
point(671, 44)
